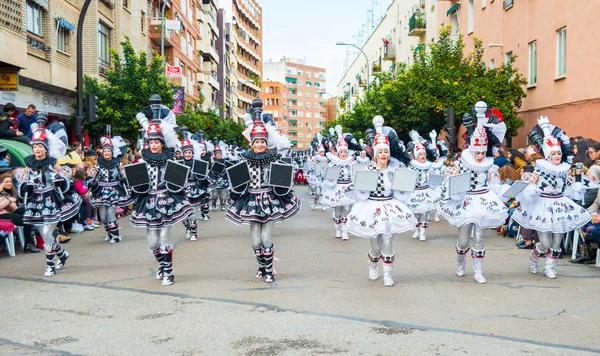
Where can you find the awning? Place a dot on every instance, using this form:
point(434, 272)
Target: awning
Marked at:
point(418, 47)
point(42, 3)
point(453, 9)
point(292, 121)
point(293, 142)
point(60, 22)
point(290, 80)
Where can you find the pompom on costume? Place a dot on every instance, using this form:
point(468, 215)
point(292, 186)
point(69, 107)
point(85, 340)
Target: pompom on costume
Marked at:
point(43, 189)
point(480, 208)
point(256, 203)
point(546, 204)
point(380, 214)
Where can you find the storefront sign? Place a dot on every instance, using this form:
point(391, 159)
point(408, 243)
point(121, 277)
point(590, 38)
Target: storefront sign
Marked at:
point(52, 103)
point(173, 71)
point(9, 79)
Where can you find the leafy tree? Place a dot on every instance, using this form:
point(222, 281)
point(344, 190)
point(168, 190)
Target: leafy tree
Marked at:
point(126, 91)
point(212, 126)
point(418, 96)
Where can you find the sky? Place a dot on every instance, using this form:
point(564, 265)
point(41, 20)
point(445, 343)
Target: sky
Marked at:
point(309, 30)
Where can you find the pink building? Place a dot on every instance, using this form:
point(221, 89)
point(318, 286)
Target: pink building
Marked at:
point(557, 48)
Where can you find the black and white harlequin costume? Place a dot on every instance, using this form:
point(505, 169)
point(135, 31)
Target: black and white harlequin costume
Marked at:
point(315, 171)
point(158, 205)
point(334, 191)
point(256, 204)
point(480, 208)
point(546, 204)
point(380, 214)
point(42, 188)
point(438, 167)
point(108, 188)
point(424, 198)
point(196, 188)
point(219, 184)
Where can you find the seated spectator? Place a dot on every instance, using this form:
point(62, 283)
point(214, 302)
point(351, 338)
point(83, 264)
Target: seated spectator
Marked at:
point(9, 210)
point(8, 129)
point(591, 236)
point(70, 159)
point(499, 158)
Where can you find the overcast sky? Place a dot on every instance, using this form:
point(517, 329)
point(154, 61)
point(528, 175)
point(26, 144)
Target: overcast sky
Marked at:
point(309, 29)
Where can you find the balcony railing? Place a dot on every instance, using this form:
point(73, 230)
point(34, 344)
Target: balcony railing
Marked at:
point(416, 24)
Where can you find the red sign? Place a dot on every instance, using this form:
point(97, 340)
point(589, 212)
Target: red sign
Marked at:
point(173, 71)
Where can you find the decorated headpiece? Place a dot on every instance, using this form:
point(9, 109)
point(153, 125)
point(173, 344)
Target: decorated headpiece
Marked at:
point(53, 137)
point(418, 143)
point(479, 139)
point(320, 148)
point(550, 143)
point(341, 141)
point(186, 145)
point(380, 140)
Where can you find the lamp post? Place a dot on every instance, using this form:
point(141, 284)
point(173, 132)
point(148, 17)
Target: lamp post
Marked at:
point(162, 33)
point(79, 117)
point(364, 54)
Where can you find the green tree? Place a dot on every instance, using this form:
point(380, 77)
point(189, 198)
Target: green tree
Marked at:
point(213, 126)
point(418, 96)
point(126, 91)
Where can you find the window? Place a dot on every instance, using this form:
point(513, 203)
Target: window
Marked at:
point(308, 135)
point(483, 3)
point(308, 95)
point(62, 40)
point(308, 105)
point(492, 63)
point(471, 14)
point(532, 80)
point(308, 114)
point(103, 44)
point(126, 4)
point(299, 72)
point(508, 4)
point(143, 22)
point(308, 74)
point(299, 83)
point(561, 52)
point(300, 122)
point(300, 134)
point(507, 56)
point(34, 18)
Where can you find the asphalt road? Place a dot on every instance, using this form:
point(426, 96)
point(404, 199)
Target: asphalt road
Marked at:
point(107, 302)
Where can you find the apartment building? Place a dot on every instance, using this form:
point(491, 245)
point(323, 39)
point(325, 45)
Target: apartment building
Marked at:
point(275, 97)
point(306, 86)
point(555, 49)
point(406, 24)
point(182, 40)
point(246, 42)
point(39, 42)
point(225, 73)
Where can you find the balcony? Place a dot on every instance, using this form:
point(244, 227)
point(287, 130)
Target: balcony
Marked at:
point(213, 81)
point(155, 35)
point(209, 51)
point(200, 77)
point(416, 24)
point(389, 52)
point(376, 68)
point(361, 83)
point(210, 17)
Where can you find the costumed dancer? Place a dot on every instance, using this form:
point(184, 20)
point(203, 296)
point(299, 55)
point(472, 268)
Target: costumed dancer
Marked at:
point(334, 191)
point(315, 175)
point(196, 187)
point(43, 187)
point(438, 166)
point(423, 199)
point(207, 156)
point(256, 204)
point(380, 214)
point(480, 208)
point(159, 205)
point(108, 187)
point(546, 204)
point(219, 182)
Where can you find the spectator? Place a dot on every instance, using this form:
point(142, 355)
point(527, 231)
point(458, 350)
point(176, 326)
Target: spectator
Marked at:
point(26, 119)
point(8, 130)
point(500, 159)
point(580, 149)
point(12, 212)
point(91, 159)
point(517, 159)
point(79, 150)
point(10, 109)
point(86, 205)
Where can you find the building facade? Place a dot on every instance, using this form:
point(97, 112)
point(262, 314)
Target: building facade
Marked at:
point(306, 86)
point(555, 49)
point(40, 42)
point(406, 24)
point(275, 101)
point(225, 96)
point(246, 59)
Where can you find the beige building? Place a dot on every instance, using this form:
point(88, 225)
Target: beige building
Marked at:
point(306, 87)
point(556, 50)
point(39, 44)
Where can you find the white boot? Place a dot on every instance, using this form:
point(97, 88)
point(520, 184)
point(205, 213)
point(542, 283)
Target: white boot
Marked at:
point(338, 230)
point(461, 263)
point(436, 217)
point(388, 271)
point(549, 268)
point(417, 232)
point(373, 268)
point(423, 234)
point(344, 232)
point(533, 262)
point(478, 270)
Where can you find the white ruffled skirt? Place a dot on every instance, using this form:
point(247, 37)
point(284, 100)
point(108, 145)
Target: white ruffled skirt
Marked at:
point(422, 200)
point(556, 214)
point(482, 207)
point(369, 218)
point(335, 195)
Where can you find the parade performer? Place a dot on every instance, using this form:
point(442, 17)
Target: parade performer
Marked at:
point(315, 175)
point(480, 208)
point(219, 184)
point(256, 204)
point(334, 191)
point(108, 187)
point(206, 155)
point(158, 205)
point(42, 189)
point(423, 199)
point(380, 214)
point(546, 204)
point(196, 187)
point(439, 165)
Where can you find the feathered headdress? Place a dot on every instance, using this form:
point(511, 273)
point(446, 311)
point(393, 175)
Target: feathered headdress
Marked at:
point(380, 140)
point(483, 136)
point(550, 138)
point(53, 137)
point(260, 125)
point(341, 140)
point(396, 146)
point(164, 131)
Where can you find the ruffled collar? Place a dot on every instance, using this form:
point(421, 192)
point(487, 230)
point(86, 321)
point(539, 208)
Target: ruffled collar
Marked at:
point(260, 158)
point(545, 166)
point(157, 159)
point(340, 162)
point(466, 158)
point(103, 163)
point(359, 159)
point(420, 166)
point(33, 163)
point(320, 159)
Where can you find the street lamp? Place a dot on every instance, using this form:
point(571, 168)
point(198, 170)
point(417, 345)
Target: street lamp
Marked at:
point(361, 51)
point(162, 33)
